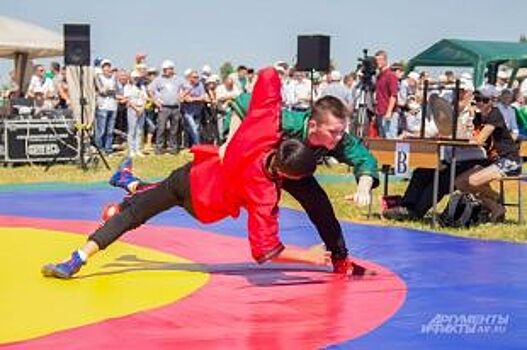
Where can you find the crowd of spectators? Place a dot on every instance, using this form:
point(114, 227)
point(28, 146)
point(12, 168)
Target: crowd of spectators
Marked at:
point(146, 110)
point(160, 110)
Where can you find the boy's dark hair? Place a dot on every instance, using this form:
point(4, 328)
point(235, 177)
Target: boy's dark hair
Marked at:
point(294, 158)
point(327, 104)
point(55, 66)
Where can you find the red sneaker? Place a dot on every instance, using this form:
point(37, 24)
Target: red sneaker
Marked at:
point(347, 267)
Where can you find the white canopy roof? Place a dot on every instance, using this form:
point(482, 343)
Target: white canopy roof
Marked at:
point(17, 36)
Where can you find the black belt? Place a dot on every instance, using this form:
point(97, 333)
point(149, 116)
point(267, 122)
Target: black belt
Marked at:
point(170, 106)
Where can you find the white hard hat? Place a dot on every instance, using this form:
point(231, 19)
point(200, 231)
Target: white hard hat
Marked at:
point(466, 84)
point(188, 71)
point(210, 79)
point(335, 75)
point(167, 64)
point(106, 61)
point(216, 78)
point(413, 75)
point(206, 69)
point(466, 76)
point(489, 91)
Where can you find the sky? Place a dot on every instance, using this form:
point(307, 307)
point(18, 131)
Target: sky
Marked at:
point(258, 33)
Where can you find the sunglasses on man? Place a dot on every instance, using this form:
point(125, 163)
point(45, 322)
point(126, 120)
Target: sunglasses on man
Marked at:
point(481, 99)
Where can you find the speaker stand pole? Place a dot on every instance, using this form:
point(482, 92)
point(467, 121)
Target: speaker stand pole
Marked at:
point(312, 77)
point(82, 149)
point(82, 102)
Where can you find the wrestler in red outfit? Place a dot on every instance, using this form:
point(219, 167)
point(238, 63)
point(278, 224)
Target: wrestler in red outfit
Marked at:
point(210, 189)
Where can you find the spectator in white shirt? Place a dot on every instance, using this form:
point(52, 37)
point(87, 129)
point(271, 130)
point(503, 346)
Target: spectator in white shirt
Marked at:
point(298, 92)
point(105, 114)
point(39, 82)
point(135, 92)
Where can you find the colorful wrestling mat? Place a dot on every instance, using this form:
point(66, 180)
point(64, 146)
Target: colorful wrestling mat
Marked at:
point(175, 284)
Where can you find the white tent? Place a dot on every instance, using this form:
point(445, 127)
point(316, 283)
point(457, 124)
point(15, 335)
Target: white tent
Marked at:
point(22, 41)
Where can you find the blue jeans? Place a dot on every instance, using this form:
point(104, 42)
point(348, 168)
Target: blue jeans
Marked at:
point(136, 124)
point(104, 125)
point(192, 123)
point(150, 121)
point(388, 128)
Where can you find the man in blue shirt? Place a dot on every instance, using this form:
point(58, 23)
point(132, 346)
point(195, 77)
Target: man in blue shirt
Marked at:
point(193, 97)
point(165, 91)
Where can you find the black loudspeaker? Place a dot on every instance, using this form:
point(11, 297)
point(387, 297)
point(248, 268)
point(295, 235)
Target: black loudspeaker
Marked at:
point(313, 52)
point(77, 44)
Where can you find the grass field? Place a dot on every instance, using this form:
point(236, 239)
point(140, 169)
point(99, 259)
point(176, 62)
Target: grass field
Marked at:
point(336, 180)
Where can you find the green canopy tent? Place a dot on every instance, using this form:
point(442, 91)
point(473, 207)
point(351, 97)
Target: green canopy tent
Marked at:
point(472, 53)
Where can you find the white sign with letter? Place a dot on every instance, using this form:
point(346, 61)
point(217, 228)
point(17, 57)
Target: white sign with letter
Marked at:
point(402, 159)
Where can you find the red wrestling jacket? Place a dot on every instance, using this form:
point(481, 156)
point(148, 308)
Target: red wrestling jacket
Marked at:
point(221, 189)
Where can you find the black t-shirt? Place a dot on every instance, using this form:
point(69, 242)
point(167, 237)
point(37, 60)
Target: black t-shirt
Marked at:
point(500, 142)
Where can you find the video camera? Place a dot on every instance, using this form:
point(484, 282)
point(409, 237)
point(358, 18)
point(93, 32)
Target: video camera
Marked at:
point(368, 68)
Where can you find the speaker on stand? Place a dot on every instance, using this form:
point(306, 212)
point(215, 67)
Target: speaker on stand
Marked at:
point(313, 55)
point(77, 53)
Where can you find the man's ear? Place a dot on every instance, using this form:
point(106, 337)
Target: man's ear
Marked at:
point(311, 124)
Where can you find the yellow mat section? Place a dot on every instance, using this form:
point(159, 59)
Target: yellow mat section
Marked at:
point(122, 280)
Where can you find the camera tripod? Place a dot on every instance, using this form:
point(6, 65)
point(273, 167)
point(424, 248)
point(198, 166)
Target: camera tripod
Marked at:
point(363, 110)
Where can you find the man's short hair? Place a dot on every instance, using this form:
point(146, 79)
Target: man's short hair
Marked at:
point(396, 66)
point(296, 159)
point(382, 53)
point(328, 104)
point(241, 67)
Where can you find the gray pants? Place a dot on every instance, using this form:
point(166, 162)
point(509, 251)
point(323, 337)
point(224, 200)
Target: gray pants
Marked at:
point(166, 115)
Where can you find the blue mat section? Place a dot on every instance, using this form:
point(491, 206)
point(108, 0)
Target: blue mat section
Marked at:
point(462, 293)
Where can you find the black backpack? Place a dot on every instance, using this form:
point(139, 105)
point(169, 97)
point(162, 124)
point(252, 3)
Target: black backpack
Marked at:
point(463, 210)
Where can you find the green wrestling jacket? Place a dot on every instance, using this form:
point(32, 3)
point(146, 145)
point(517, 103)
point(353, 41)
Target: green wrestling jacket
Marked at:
point(350, 150)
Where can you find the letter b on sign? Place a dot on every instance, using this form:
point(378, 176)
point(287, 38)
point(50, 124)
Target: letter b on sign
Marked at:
point(402, 159)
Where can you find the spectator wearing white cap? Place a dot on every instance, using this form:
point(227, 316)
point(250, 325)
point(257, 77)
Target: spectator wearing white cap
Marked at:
point(136, 94)
point(502, 80)
point(337, 89)
point(105, 114)
point(407, 88)
point(205, 73)
point(165, 91)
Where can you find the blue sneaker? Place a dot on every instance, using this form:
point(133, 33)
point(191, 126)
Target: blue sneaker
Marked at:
point(123, 177)
point(65, 269)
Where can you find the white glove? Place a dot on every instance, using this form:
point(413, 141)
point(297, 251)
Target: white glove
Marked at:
point(363, 195)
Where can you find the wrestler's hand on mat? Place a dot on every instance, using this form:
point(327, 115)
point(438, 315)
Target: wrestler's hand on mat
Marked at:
point(363, 195)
